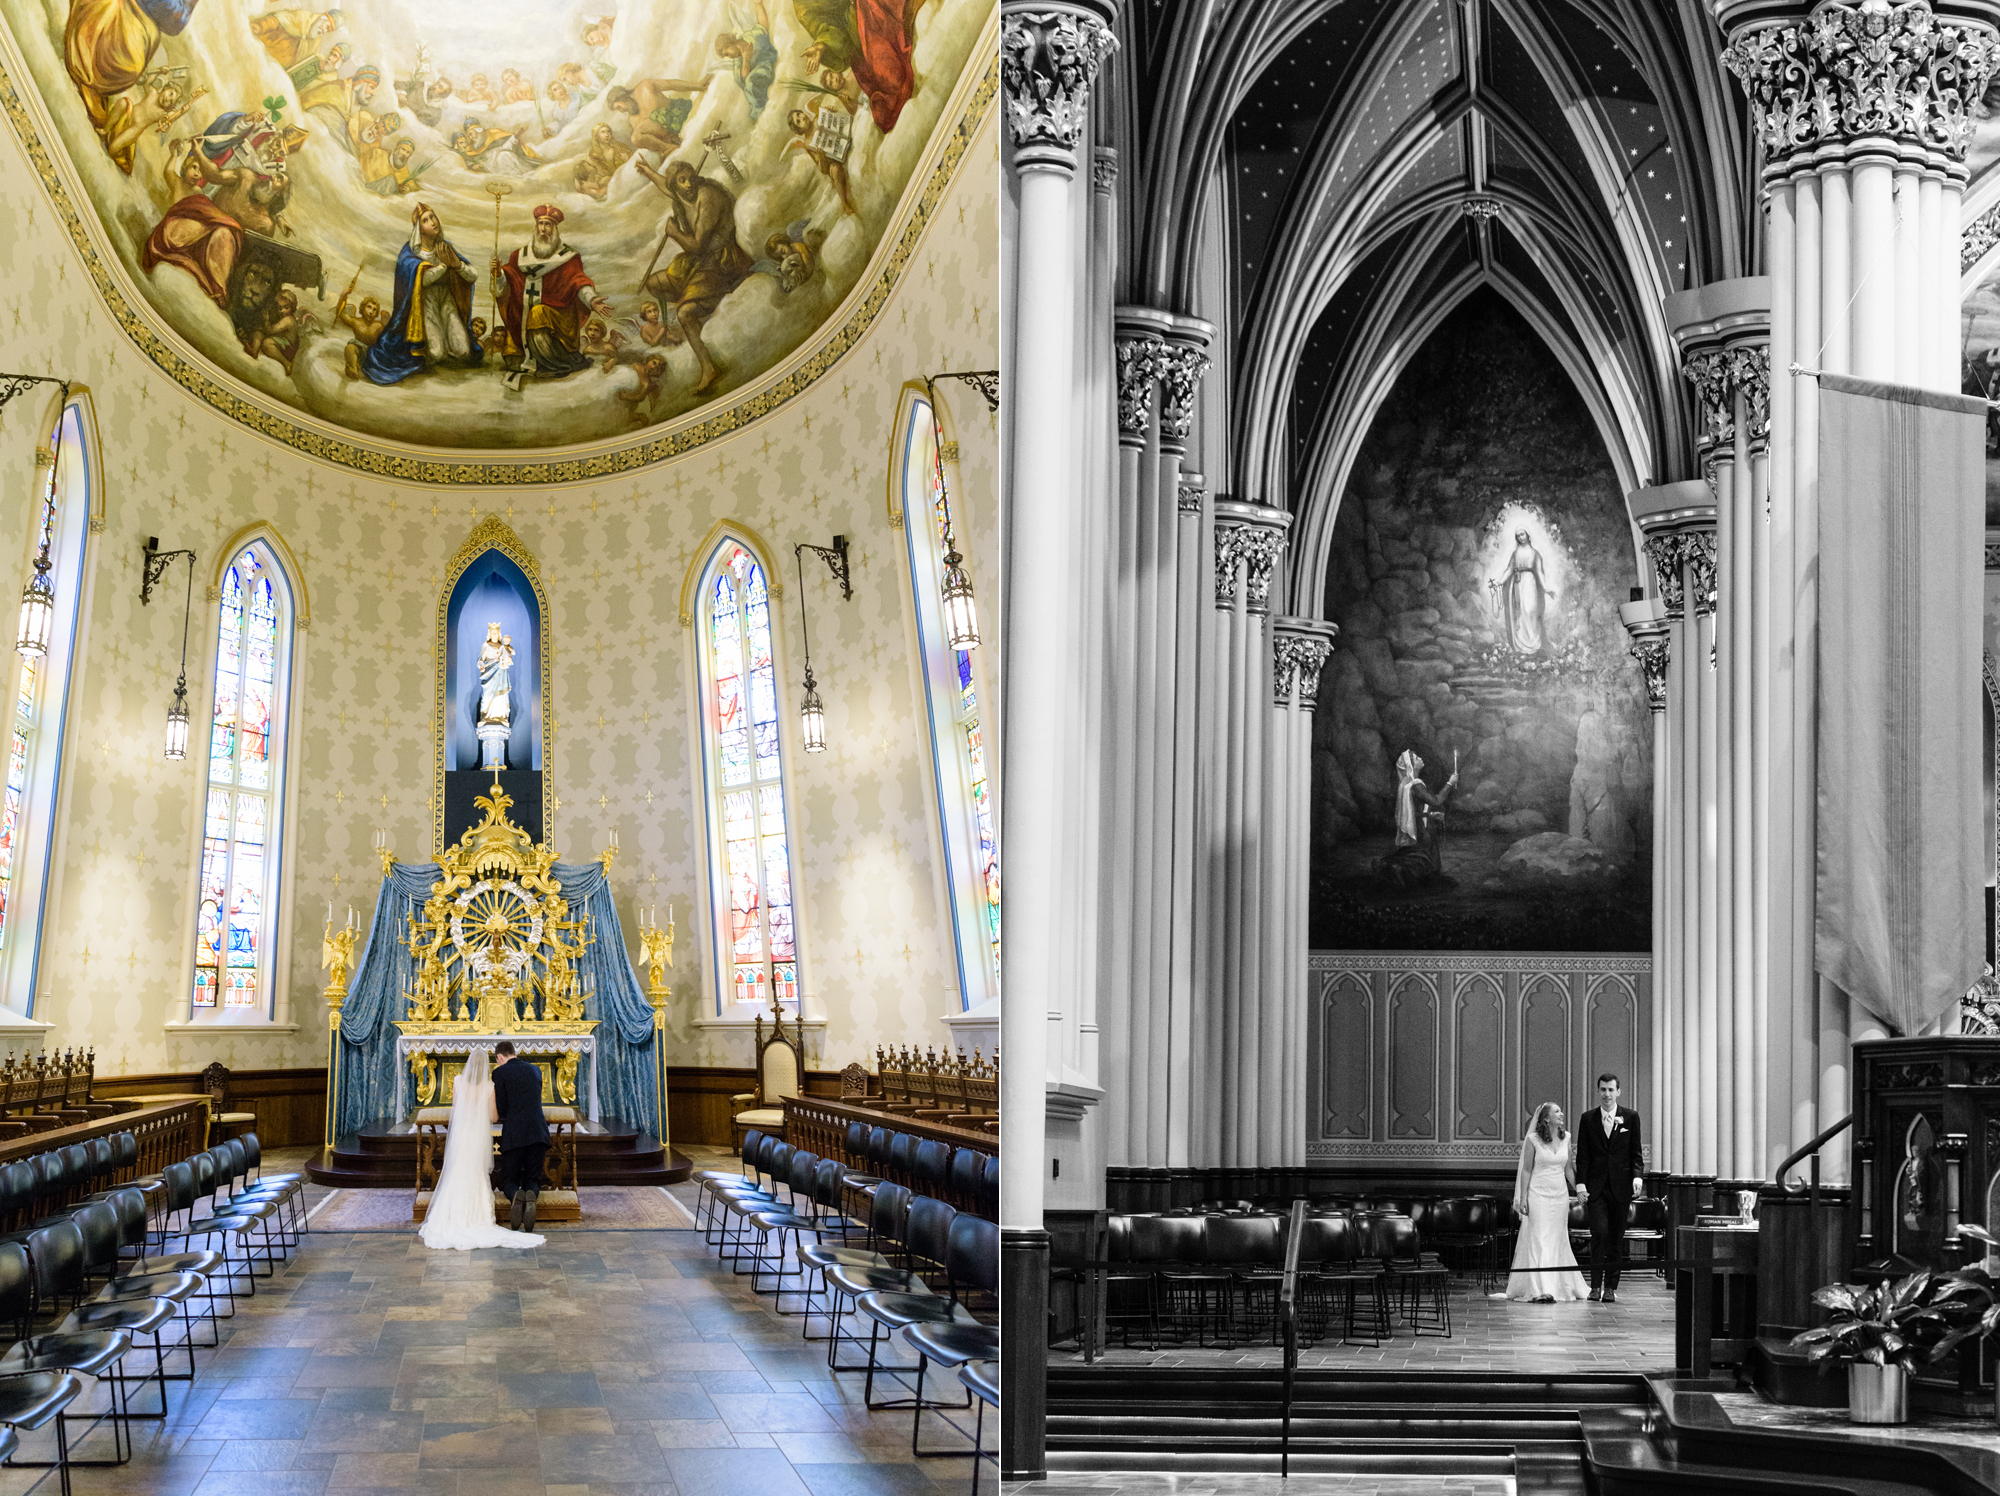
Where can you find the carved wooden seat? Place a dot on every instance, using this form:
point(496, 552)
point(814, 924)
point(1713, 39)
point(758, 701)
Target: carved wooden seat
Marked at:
point(226, 1121)
point(780, 1072)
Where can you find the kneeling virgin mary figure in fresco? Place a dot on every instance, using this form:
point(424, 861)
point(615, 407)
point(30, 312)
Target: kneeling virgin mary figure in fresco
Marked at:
point(1416, 857)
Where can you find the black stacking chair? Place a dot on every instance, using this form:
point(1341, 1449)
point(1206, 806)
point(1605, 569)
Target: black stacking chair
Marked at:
point(32, 1399)
point(721, 1186)
point(56, 1256)
point(930, 1167)
point(129, 1205)
point(738, 1205)
point(968, 1171)
point(92, 1352)
point(939, 1326)
point(17, 1190)
point(1421, 1283)
point(982, 1380)
point(705, 1179)
point(888, 1217)
point(237, 1227)
point(253, 1156)
point(774, 1225)
point(287, 1194)
point(903, 1160)
point(871, 1144)
point(925, 1236)
point(990, 1184)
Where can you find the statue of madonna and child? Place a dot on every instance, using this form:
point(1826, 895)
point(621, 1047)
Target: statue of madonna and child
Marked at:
point(496, 697)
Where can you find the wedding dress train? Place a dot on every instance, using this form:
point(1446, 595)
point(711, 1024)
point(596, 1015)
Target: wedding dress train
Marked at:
point(460, 1217)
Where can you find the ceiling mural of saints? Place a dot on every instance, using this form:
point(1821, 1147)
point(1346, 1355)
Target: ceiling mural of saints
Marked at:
point(496, 224)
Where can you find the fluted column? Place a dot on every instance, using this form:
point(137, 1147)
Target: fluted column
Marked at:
point(1652, 646)
point(1723, 332)
point(1861, 113)
point(1049, 57)
point(1248, 538)
point(1299, 648)
point(1678, 520)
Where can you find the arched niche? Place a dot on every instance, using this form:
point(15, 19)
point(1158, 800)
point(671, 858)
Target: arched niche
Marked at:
point(493, 579)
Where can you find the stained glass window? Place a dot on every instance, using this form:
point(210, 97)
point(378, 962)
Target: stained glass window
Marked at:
point(749, 793)
point(34, 734)
point(234, 927)
point(965, 802)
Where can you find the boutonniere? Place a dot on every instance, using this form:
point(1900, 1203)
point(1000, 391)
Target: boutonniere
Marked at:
point(1616, 1123)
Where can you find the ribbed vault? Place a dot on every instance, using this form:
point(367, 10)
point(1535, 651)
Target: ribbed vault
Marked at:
point(1380, 159)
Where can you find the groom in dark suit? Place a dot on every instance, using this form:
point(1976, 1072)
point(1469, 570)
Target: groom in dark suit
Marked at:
point(1609, 1161)
point(524, 1133)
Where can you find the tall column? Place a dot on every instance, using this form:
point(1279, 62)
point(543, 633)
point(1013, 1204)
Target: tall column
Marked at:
point(1186, 1041)
point(1652, 646)
point(1678, 521)
point(1299, 649)
point(1248, 538)
point(1049, 57)
point(1145, 969)
point(1723, 332)
point(1864, 171)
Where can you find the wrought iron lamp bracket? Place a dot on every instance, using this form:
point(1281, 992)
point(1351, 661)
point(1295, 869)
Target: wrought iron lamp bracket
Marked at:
point(156, 563)
point(835, 557)
point(19, 384)
point(986, 381)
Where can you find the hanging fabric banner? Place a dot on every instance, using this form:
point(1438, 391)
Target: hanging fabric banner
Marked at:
point(1902, 496)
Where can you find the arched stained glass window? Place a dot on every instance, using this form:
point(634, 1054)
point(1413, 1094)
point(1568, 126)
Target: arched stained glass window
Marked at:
point(966, 816)
point(750, 841)
point(34, 745)
point(236, 919)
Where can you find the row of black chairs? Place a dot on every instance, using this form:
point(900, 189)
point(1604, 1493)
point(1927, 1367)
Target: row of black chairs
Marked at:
point(924, 1269)
point(84, 1281)
point(968, 1178)
point(1215, 1277)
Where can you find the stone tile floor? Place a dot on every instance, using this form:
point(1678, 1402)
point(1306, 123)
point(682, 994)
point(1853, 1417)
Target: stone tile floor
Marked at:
point(1067, 1484)
point(1636, 1334)
point(608, 1363)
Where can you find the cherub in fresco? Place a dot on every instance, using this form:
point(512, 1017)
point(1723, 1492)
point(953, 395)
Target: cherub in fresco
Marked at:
point(365, 321)
point(281, 330)
point(792, 257)
point(649, 329)
point(600, 340)
point(514, 89)
point(822, 131)
point(480, 91)
point(657, 108)
point(163, 99)
point(563, 107)
point(597, 32)
point(652, 372)
point(600, 163)
point(572, 77)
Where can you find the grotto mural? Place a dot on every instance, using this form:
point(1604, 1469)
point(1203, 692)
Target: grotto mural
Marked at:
point(1482, 754)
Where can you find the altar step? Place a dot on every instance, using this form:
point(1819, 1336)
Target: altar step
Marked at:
point(377, 1158)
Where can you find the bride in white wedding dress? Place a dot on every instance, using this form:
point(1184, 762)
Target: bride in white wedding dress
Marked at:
point(1545, 1270)
point(460, 1217)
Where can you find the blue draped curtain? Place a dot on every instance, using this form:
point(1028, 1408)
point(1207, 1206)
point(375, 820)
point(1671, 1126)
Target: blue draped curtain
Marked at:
point(371, 1089)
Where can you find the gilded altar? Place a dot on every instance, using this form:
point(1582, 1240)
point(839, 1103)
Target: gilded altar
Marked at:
point(497, 957)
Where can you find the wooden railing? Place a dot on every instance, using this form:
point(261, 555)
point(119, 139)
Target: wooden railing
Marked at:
point(821, 1127)
point(166, 1134)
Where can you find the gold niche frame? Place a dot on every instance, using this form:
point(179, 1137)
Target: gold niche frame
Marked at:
point(491, 534)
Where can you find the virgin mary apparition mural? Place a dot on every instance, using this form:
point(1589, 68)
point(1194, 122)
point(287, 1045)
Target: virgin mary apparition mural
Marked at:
point(496, 223)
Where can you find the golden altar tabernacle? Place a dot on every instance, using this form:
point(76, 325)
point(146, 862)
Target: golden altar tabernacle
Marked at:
point(496, 954)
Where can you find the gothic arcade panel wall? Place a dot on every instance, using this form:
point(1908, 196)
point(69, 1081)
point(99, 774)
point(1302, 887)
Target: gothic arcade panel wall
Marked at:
point(1480, 554)
point(1436, 1060)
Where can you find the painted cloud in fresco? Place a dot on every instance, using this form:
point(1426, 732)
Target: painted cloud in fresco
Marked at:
point(684, 190)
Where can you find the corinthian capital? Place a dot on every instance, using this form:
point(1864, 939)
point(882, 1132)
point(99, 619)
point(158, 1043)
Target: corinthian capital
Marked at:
point(1139, 361)
point(1248, 538)
point(1298, 654)
point(1877, 68)
point(1048, 60)
point(1654, 654)
point(1719, 375)
point(1684, 553)
point(1181, 369)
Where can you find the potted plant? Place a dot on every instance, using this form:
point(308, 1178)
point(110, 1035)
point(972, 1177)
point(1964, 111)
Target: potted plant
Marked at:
point(1883, 1333)
point(1969, 1299)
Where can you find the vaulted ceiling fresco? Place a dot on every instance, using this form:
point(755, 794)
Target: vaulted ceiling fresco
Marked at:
point(498, 226)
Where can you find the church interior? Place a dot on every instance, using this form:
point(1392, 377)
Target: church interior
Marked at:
point(1500, 961)
point(568, 434)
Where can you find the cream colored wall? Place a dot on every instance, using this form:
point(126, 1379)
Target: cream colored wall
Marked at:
point(613, 558)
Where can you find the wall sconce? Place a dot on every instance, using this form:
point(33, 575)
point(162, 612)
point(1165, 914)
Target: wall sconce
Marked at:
point(961, 618)
point(812, 713)
point(154, 567)
point(38, 598)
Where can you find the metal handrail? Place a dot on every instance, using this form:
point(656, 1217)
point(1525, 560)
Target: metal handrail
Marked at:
point(1812, 1148)
point(1288, 1321)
